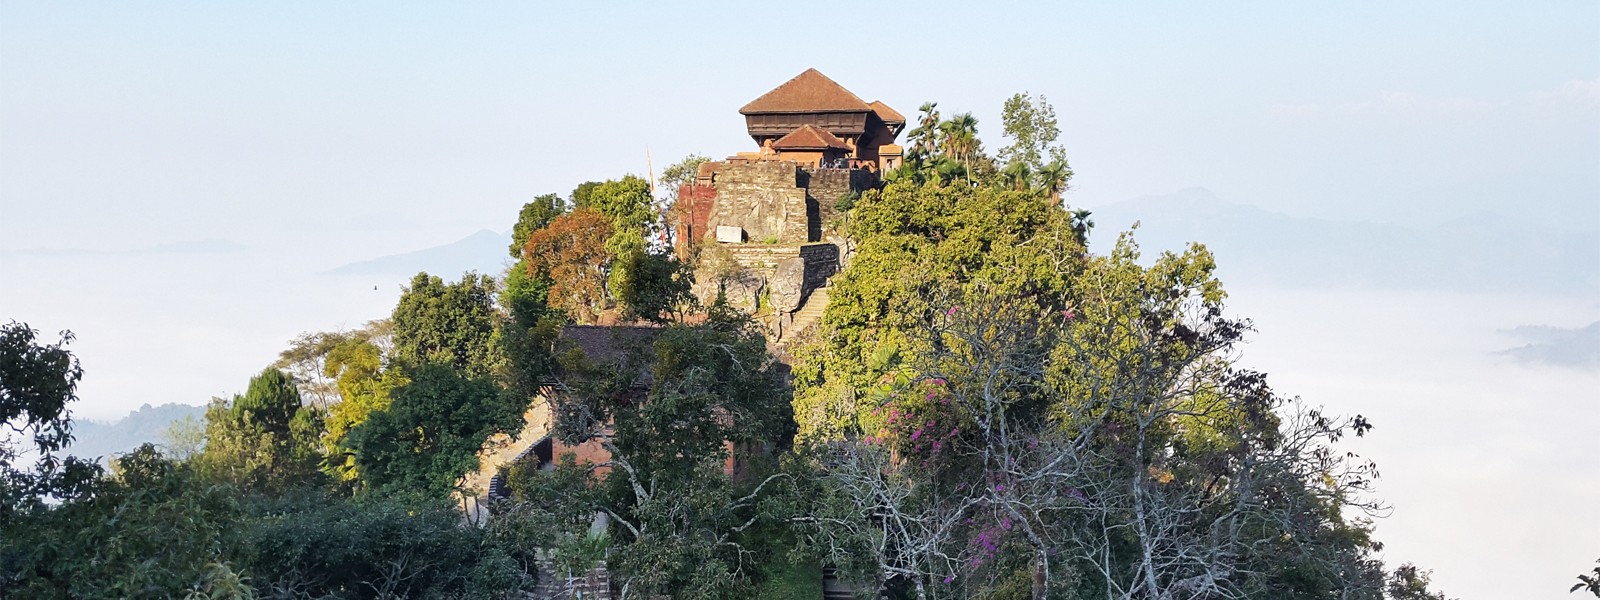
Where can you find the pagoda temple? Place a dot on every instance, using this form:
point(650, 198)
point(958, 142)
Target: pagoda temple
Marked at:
point(813, 120)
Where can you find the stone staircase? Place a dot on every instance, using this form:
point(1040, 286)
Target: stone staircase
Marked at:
point(809, 316)
point(500, 450)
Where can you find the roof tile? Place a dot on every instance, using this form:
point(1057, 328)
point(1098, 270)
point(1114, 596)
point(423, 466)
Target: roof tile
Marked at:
point(886, 114)
point(810, 91)
point(809, 137)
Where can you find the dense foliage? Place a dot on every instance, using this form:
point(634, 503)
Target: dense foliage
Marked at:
point(37, 382)
point(988, 410)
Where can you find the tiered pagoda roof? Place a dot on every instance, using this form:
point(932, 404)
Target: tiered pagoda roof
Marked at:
point(810, 137)
point(810, 91)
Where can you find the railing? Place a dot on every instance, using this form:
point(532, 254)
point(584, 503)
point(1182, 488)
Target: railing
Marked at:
point(848, 164)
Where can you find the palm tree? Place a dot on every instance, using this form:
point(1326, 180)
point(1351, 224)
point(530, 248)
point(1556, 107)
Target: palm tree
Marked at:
point(1081, 225)
point(924, 137)
point(1016, 175)
point(960, 137)
point(1054, 177)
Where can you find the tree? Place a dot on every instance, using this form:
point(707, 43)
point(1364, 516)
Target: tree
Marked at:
point(450, 324)
point(1053, 178)
point(1588, 583)
point(37, 382)
point(1031, 125)
point(680, 522)
point(366, 387)
point(959, 138)
point(1411, 583)
point(652, 286)
point(627, 205)
point(1021, 417)
point(673, 178)
point(580, 194)
point(155, 529)
point(306, 358)
point(431, 432)
point(266, 439)
point(535, 215)
point(924, 138)
point(571, 253)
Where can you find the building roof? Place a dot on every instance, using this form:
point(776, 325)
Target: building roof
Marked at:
point(810, 91)
point(886, 114)
point(809, 137)
point(613, 346)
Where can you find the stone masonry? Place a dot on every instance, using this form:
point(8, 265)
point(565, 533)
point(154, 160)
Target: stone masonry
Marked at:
point(764, 199)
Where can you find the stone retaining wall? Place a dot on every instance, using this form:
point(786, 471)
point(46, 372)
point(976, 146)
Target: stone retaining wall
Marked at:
point(765, 199)
point(827, 185)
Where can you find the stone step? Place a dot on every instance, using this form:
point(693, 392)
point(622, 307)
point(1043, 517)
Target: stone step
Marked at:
point(810, 314)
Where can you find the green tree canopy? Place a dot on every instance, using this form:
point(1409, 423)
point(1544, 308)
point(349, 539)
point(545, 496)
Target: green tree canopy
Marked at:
point(430, 434)
point(37, 382)
point(535, 215)
point(451, 324)
point(682, 524)
point(265, 439)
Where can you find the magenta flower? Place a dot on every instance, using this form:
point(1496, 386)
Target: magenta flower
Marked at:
point(951, 312)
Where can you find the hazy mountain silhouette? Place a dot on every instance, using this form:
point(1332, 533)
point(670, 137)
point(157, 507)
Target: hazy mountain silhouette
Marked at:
point(484, 252)
point(1254, 246)
point(1558, 346)
point(100, 439)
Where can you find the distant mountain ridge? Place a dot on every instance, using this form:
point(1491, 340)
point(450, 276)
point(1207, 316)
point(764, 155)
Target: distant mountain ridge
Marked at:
point(1485, 252)
point(102, 439)
point(1577, 347)
point(484, 252)
point(1254, 246)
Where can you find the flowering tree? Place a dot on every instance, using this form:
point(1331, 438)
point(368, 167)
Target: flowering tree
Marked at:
point(1005, 414)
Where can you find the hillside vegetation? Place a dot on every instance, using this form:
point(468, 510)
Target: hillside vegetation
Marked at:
point(986, 410)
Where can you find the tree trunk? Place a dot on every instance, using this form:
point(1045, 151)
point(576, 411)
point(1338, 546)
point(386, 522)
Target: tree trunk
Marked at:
point(1041, 582)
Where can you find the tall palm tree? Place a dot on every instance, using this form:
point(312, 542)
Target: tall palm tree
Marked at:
point(1081, 225)
point(1017, 175)
point(924, 137)
point(1053, 178)
point(960, 137)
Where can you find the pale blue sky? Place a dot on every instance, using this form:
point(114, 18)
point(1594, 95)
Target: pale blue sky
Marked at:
point(300, 136)
point(128, 123)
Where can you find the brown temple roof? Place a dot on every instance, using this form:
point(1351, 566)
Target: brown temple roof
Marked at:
point(809, 137)
point(886, 114)
point(810, 91)
point(613, 346)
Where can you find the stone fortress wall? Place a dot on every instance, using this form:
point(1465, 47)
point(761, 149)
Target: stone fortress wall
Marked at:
point(784, 244)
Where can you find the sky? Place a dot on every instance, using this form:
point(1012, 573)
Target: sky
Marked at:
point(173, 177)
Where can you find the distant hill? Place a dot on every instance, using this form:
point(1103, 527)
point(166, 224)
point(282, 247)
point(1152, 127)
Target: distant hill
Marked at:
point(484, 252)
point(99, 439)
point(1577, 347)
point(1255, 246)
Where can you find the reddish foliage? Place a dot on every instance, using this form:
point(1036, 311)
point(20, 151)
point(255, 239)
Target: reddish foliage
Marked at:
point(571, 252)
